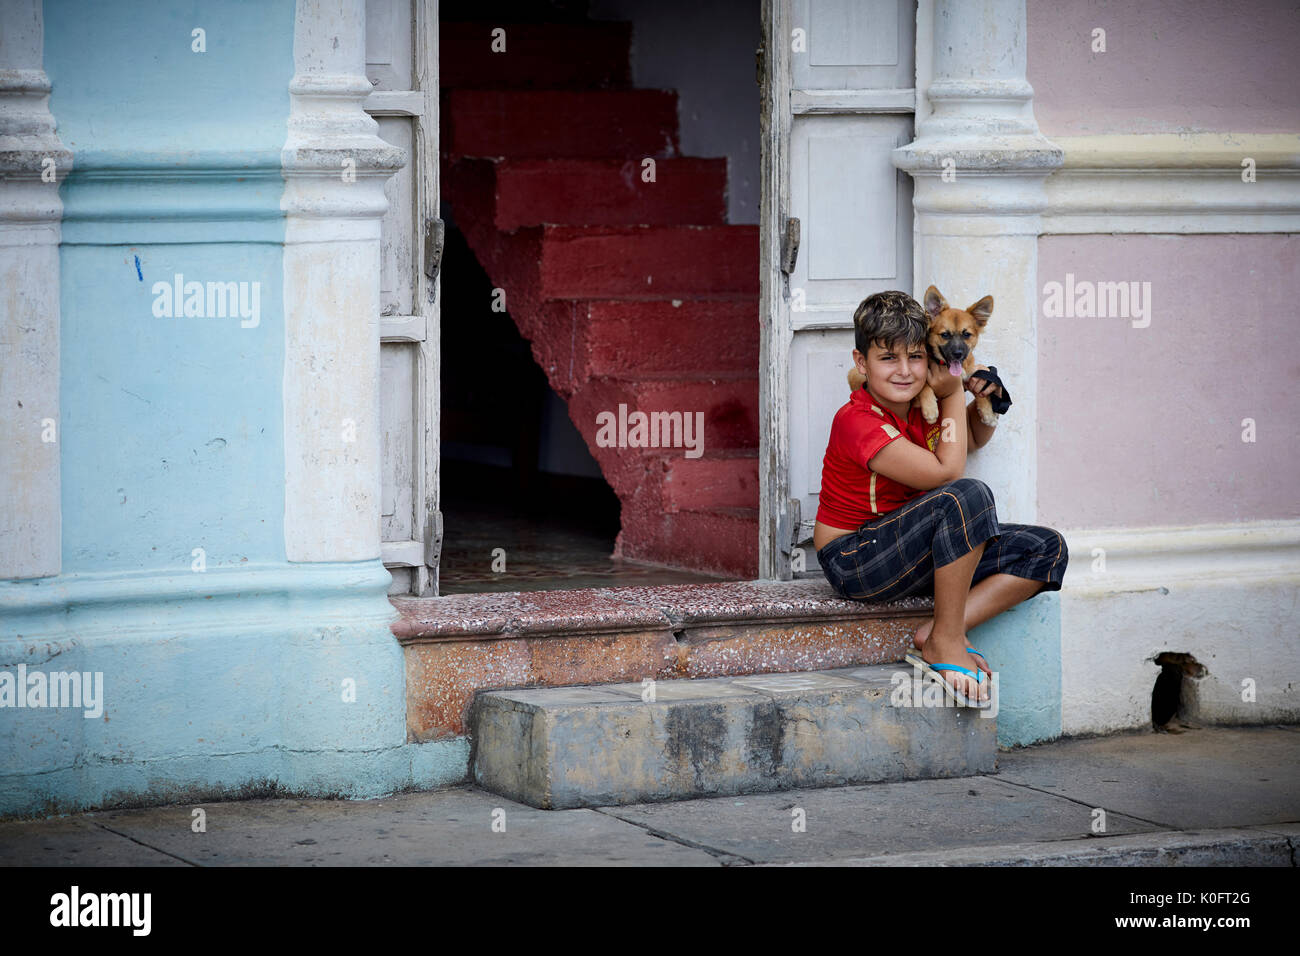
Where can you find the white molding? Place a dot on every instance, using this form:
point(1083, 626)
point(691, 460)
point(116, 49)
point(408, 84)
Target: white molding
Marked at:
point(408, 554)
point(852, 101)
point(1175, 183)
point(30, 231)
point(1142, 559)
point(395, 103)
point(403, 328)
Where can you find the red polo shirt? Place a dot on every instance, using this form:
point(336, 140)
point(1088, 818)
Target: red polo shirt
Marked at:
point(852, 494)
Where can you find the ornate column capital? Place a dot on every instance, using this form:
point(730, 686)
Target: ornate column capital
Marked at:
point(334, 163)
point(32, 159)
point(977, 120)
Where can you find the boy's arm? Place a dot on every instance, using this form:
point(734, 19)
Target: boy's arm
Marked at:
point(919, 467)
point(979, 432)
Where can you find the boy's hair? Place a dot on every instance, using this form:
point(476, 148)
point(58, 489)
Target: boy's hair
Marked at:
point(887, 319)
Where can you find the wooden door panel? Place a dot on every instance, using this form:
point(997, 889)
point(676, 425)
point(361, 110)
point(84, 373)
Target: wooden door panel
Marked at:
point(401, 54)
point(839, 98)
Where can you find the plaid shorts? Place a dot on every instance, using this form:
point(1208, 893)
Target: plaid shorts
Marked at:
point(894, 556)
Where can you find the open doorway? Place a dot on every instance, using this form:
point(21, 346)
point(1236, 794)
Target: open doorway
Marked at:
point(600, 261)
point(525, 507)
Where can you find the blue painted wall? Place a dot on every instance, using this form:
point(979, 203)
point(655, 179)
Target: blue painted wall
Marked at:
point(257, 675)
point(172, 426)
point(125, 77)
point(1023, 647)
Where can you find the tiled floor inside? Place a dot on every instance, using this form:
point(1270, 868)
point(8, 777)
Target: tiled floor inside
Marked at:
point(559, 537)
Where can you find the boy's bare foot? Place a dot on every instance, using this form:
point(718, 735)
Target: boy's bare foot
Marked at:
point(940, 651)
point(923, 633)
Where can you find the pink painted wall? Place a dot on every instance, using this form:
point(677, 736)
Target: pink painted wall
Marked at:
point(1170, 66)
point(1142, 426)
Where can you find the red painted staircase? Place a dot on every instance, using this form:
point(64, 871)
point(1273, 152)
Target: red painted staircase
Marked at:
point(630, 292)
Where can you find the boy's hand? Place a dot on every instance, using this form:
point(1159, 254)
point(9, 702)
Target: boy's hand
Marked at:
point(979, 386)
point(943, 382)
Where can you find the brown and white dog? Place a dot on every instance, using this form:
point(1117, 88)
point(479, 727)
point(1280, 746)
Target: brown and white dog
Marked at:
point(950, 341)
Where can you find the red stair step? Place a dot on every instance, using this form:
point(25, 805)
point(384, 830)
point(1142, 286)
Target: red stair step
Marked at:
point(687, 333)
point(710, 482)
point(555, 124)
point(729, 405)
point(541, 55)
point(595, 192)
point(716, 540)
point(604, 262)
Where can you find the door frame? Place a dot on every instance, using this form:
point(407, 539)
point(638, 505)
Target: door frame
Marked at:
point(423, 552)
point(775, 534)
point(778, 513)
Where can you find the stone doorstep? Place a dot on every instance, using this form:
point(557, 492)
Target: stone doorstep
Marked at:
point(676, 607)
point(566, 747)
point(461, 644)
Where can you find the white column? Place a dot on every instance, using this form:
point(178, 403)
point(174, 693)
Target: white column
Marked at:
point(979, 163)
point(32, 164)
point(335, 166)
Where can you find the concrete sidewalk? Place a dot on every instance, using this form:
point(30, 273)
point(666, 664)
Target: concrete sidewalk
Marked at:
point(1214, 796)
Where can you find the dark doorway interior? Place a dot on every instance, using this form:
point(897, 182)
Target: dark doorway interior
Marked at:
point(515, 473)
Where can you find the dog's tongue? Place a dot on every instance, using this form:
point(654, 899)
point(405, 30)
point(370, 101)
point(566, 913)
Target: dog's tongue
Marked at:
point(954, 368)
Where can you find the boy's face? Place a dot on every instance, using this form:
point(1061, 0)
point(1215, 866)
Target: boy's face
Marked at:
point(894, 373)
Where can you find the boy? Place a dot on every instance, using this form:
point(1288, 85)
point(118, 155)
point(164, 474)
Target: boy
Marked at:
point(921, 526)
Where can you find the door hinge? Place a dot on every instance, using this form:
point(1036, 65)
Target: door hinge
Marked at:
point(788, 528)
point(790, 245)
point(433, 539)
point(434, 234)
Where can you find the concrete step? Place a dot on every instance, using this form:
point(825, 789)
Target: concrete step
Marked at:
point(536, 55)
point(564, 747)
point(555, 124)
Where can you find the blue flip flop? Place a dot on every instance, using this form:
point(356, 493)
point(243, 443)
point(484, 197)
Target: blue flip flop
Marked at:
point(933, 672)
point(970, 650)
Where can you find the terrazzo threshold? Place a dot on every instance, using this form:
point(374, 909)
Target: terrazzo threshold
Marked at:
point(687, 610)
point(560, 748)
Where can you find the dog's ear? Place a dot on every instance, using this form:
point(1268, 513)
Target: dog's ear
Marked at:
point(934, 301)
point(856, 379)
point(982, 310)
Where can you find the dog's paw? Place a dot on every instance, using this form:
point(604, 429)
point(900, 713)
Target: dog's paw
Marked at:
point(985, 409)
point(929, 405)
